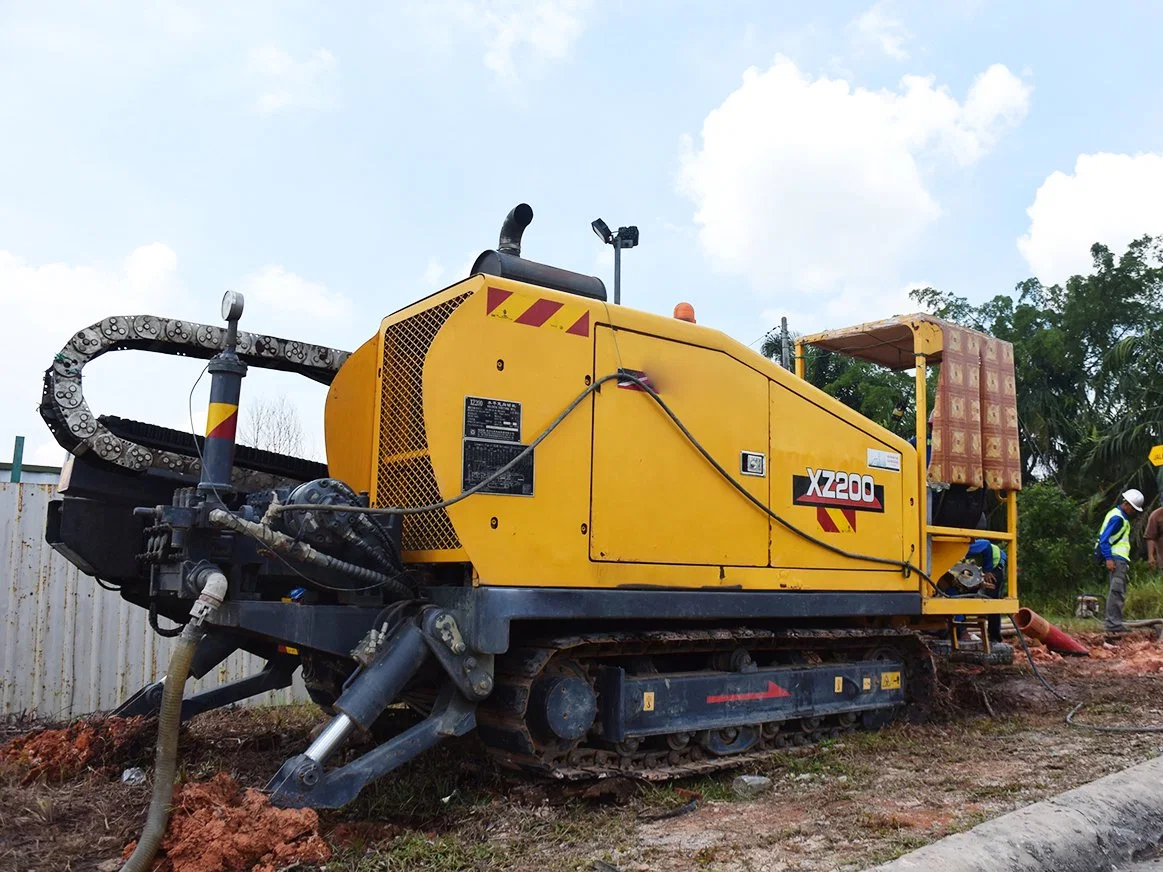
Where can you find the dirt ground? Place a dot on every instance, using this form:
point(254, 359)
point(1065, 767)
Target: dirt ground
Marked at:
point(997, 741)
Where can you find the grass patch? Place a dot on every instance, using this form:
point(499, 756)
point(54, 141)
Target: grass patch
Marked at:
point(712, 788)
point(450, 853)
point(431, 789)
point(999, 726)
point(994, 791)
point(833, 761)
point(1144, 599)
point(901, 845)
point(1144, 594)
point(568, 838)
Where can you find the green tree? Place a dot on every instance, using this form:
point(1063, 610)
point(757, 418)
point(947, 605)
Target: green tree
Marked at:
point(1136, 423)
point(871, 390)
point(1055, 543)
point(1086, 361)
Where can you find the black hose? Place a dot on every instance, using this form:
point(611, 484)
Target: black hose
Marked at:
point(390, 546)
point(758, 503)
point(1117, 728)
point(1097, 728)
point(171, 633)
point(1034, 666)
point(302, 551)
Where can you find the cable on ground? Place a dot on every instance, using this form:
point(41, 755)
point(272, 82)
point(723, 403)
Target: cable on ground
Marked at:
point(1097, 728)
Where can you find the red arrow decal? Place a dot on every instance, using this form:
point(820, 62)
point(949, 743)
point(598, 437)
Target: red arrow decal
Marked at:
point(774, 691)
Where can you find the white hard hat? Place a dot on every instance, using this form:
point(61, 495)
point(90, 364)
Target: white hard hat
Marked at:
point(1135, 498)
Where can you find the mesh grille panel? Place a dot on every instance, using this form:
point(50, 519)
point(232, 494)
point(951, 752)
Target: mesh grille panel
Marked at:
point(405, 476)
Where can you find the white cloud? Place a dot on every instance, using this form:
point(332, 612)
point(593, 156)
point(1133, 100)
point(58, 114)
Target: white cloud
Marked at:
point(151, 267)
point(853, 304)
point(145, 278)
point(433, 273)
point(516, 34)
point(815, 185)
point(278, 291)
point(285, 83)
point(1109, 198)
point(997, 103)
point(58, 299)
point(880, 28)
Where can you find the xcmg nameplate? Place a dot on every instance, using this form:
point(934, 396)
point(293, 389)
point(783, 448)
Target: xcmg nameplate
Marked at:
point(495, 420)
point(492, 439)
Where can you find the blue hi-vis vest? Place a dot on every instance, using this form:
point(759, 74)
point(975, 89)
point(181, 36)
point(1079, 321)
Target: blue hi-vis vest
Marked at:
point(1120, 539)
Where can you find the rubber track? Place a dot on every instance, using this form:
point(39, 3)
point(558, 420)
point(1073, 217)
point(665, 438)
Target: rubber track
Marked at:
point(502, 725)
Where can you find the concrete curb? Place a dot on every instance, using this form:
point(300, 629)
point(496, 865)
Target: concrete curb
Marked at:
point(1087, 829)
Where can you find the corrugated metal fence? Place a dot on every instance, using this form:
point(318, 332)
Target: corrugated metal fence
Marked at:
point(69, 647)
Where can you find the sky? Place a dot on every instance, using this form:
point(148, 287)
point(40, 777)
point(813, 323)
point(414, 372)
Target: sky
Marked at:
point(335, 162)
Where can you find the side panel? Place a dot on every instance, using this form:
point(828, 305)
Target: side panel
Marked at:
point(655, 498)
point(534, 369)
point(350, 415)
point(824, 482)
point(660, 516)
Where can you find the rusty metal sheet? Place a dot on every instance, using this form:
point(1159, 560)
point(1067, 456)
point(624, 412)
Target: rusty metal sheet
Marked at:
point(67, 647)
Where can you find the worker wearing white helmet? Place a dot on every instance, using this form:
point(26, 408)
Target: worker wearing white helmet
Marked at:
point(1114, 549)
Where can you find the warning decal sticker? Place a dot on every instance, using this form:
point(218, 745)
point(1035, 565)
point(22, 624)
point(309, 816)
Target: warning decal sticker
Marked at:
point(889, 460)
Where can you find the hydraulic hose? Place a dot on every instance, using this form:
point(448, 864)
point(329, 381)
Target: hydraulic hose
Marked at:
point(302, 551)
point(169, 720)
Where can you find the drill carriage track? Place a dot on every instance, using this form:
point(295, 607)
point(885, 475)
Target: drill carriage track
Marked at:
point(516, 743)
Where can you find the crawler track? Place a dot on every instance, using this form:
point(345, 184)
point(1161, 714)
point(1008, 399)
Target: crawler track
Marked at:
point(504, 725)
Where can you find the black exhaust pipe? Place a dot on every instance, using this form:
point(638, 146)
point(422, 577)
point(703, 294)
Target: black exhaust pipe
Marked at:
point(515, 223)
point(506, 262)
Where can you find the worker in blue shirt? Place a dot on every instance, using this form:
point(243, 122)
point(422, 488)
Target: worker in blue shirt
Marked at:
point(993, 560)
point(1114, 549)
point(993, 566)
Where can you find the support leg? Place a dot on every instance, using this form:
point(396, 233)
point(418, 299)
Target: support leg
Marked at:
point(369, 693)
point(211, 650)
point(301, 782)
point(276, 675)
